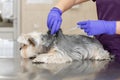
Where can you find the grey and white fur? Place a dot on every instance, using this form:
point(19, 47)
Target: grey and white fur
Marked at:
point(60, 48)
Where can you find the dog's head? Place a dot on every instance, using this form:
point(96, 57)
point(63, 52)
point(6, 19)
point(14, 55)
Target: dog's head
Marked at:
point(32, 44)
point(35, 43)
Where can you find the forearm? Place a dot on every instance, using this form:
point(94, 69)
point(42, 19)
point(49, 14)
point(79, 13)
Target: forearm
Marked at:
point(80, 1)
point(118, 27)
point(64, 5)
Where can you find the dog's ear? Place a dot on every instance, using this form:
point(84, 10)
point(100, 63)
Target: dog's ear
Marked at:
point(51, 38)
point(59, 33)
point(32, 41)
point(49, 32)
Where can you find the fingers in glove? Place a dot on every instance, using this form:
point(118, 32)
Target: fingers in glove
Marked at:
point(58, 26)
point(82, 23)
point(54, 27)
point(86, 30)
point(50, 23)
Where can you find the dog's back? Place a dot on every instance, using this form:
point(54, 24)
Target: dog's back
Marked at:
point(80, 47)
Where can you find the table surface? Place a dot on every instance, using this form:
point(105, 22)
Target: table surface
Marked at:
point(23, 69)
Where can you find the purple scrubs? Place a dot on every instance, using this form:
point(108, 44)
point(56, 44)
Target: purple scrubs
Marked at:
point(109, 10)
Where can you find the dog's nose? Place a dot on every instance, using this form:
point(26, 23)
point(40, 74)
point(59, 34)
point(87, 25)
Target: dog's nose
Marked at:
point(33, 57)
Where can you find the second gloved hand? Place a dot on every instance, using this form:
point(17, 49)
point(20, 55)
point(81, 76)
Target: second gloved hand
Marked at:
point(96, 27)
point(54, 20)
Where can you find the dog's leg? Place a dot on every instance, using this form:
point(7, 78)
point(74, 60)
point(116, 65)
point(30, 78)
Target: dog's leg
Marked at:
point(52, 58)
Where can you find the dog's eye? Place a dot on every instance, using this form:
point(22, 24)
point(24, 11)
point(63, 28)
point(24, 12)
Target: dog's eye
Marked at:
point(22, 46)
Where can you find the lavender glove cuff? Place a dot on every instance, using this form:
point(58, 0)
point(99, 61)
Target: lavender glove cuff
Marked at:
point(111, 27)
point(57, 9)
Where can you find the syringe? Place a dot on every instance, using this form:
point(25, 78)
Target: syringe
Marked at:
point(73, 28)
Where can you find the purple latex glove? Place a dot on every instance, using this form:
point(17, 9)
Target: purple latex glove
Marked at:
point(96, 27)
point(54, 20)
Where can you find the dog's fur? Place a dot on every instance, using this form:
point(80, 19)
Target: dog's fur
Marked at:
point(60, 48)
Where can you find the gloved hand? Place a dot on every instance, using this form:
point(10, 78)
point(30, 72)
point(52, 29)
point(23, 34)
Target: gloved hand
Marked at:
point(54, 20)
point(96, 27)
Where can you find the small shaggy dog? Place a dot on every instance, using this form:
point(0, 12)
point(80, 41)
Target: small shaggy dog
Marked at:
point(60, 48)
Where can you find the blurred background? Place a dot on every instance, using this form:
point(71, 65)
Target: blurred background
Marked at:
point(34, 15)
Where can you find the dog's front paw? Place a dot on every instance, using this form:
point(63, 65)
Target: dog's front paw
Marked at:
point(48, 58)
point(40, 59)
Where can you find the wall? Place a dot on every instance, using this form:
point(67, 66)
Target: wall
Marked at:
point(0, 6)
point(34, 16)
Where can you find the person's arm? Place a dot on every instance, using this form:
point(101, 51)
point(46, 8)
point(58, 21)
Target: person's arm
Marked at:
point(118, 27)
point(54, 19)
point(80, 1)
point(64, 5)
